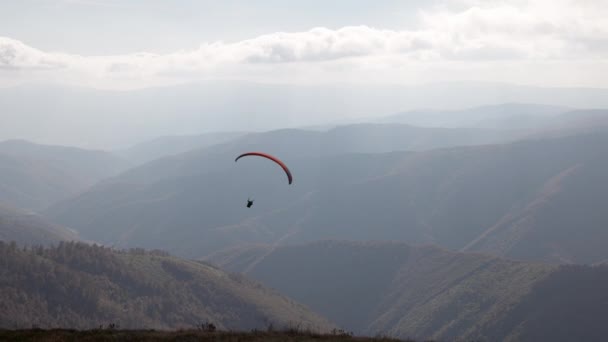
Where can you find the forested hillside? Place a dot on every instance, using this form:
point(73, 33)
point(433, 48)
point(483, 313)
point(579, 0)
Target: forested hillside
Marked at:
point(78, 286)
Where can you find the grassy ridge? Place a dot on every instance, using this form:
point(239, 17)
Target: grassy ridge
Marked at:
point(181, 335)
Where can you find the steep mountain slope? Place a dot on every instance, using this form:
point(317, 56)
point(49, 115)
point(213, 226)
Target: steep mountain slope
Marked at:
point(193, 203)
point(427, 292)
point(563, 222)
point(80, 286)
point(458, 196)
point(33, 176)
point(170, 145)
point(197, 174)
point(199, 208)
point(27, 228)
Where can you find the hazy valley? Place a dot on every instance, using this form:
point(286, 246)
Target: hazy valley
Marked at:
point(428, 292)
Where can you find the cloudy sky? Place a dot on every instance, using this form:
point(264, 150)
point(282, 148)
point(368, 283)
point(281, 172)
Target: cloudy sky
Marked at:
point(124, 44)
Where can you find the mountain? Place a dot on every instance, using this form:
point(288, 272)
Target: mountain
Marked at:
point(529, 120)
point(425, 292)
point(82, 287)
point(354, 138)
point(33, 176)
point(538, 199)
point(170, 145)
point(575, 122)
point(94, 118)
point(27, 228)
point(180, 189)
point(561, 222)
point(533, 200)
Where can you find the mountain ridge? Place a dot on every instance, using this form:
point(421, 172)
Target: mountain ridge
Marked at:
point(113, 119)
point(426, 292)
point(33, 175)
point(426, 197)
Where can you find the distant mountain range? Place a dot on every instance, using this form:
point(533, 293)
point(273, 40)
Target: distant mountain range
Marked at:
point(514, 191)
point(538, 199)
point(387, 288)
point(354, 138)
point(170, 145)
point(92, 118)
point(501, 116)
point(484, 124)
point(192, 177)
point(33, 176)
point(530, 120)
point(78, 286)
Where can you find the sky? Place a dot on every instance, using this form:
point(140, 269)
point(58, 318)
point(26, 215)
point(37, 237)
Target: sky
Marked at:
point(130, 44)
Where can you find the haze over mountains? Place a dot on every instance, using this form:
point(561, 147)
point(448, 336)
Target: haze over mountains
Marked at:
point(512, 181)
point(33, 176)
point(435, 170)
point(105, 119)
point(503, 116)
point(198, 180)
point(165, 146)
point(535, 199)
point(529, 119)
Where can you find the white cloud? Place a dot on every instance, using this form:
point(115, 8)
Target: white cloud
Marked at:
point(16, 55)
point(479, 35)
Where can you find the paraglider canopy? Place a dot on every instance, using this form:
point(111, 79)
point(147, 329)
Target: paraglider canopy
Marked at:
point(274, 159)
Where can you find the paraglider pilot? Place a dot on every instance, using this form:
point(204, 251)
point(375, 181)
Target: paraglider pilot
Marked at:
point(249, 203)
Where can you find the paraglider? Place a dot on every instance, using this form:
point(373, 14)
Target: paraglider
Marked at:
point(274, 159)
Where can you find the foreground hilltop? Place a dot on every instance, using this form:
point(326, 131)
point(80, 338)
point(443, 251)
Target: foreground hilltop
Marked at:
point(82, 287)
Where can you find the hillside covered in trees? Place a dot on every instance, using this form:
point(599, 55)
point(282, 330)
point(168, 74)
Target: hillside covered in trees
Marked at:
point(79, 286)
